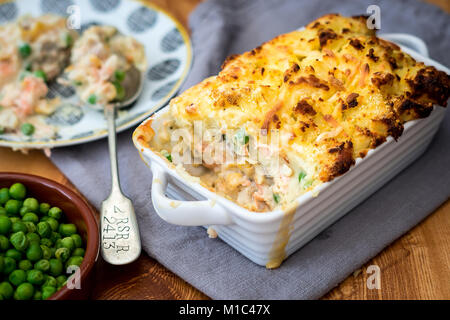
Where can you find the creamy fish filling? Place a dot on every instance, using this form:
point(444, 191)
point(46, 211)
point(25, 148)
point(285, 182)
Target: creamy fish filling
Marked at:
point(241, 167)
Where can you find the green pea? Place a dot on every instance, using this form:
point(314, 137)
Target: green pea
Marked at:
point(40, 74)
point(46, 242)
point(34, 252)
point(44, 208)
point(3, 212)
point(33, 237)
point(32, 204)
point(14, 219)
point(22, 211)
point(54, 224)
point(50, 282)
point(31, 227)
point(35, 277)
point(301, 176)
point(42, 265)
point(68, 243)
point(66, 230)
point(46, 252)
point(55, 213)
point(4, 243)
point(27, 129)
point(44, 229)
point(74, 261)
point(14, 253)
point(37, 295)
point(4, 195)
point(77, 240)
point(68, 39)
point(19, 226)
point(120, 91)
point(92, 99)
point(24, 292)
point(55, 237)
point(5, 225)
point(47, 292)
point(19, 241)
point(79, 252)
point(17, 191)
point(30, 217)
point(56, 267)
point(9, 265)
point(17, 277)
point(2, 263)
point(12, 207)
point(25, 265)
point(58, 244)
point(61, 280)
point(6, 290)
point(119, 75)
point(167, 155)
point(25, 50)
point(276, 198)
point(62, 254)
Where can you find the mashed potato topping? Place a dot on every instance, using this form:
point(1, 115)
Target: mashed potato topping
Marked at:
point(295, 112)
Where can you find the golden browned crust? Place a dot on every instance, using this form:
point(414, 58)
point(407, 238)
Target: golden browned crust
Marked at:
point(343, 160)
point(143, 134)
point(335, 88)
point(430, 85)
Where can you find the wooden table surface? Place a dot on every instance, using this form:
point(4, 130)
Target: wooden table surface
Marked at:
point(416, 266)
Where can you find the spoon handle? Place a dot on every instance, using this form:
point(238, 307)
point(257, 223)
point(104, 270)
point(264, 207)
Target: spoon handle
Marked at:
point(110, 115)
point(119, 231)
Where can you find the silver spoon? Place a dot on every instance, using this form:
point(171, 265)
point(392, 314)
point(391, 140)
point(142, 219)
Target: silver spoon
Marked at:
point(119, 232)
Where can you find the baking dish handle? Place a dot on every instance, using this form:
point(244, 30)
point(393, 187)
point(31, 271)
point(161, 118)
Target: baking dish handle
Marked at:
point(185, 213)
point(409, 41)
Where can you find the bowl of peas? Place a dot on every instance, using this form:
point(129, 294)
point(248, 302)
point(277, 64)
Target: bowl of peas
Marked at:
point(49, 240)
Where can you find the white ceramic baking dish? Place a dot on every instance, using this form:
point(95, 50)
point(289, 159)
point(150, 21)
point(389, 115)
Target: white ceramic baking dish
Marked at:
point(270, 237)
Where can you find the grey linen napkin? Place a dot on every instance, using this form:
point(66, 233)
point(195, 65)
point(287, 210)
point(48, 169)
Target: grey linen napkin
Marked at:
point(220, 28)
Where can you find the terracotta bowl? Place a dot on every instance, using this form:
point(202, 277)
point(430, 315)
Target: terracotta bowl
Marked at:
point(76, 211)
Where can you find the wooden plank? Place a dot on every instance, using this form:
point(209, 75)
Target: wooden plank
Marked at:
point(414, 267)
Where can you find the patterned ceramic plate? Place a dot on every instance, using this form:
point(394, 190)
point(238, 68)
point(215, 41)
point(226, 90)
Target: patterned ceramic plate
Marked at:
point(169, 56)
